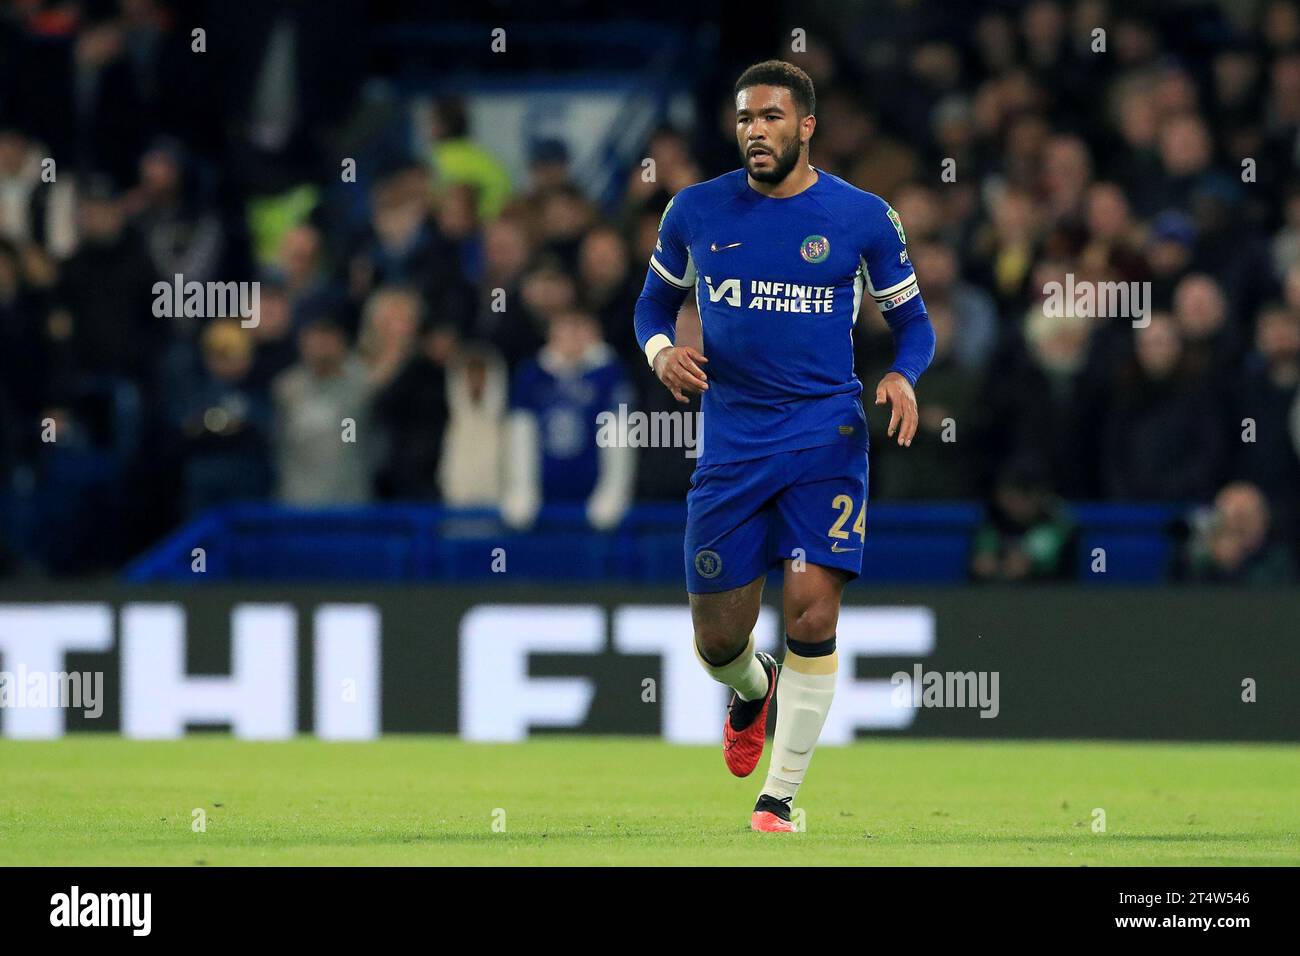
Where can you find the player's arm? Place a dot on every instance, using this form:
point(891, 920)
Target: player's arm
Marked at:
point(670, 276)
point(891, 282)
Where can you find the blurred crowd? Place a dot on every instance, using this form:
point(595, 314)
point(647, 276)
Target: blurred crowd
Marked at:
point(436, 331)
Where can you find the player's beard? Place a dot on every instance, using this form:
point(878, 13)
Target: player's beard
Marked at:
point(783, 163)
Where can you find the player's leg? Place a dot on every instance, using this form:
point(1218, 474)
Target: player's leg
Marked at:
point(724, 643)
point(808, 674)
point(822, 531)
point(728, 518)
point(724, 636)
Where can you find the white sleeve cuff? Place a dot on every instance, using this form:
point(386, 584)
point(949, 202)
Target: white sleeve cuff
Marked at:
point(658, 342)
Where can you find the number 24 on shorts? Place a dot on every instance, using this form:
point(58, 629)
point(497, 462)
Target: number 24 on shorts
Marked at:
point(844, 505)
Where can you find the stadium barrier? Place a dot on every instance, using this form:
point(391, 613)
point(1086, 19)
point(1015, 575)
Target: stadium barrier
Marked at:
point(921, 543)
point(506, 662)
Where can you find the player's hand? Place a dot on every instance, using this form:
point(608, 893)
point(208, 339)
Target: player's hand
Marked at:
point(678, 367)
point(902, 400)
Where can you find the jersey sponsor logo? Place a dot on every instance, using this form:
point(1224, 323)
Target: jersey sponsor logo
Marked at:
point(774, 296)
point(708, 564)
point(898, 225)
point(815, 249)
point(728, 290)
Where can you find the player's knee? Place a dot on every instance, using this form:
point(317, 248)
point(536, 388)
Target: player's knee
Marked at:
point(815, 621)
point(719, 645)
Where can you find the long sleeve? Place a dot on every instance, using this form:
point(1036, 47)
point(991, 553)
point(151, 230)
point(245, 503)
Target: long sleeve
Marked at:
point(891, 282)
point(656, 314)
point(913, 341)
point(670, 275)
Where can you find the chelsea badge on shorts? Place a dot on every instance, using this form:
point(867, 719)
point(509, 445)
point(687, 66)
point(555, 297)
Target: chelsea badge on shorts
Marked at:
point(708, 564)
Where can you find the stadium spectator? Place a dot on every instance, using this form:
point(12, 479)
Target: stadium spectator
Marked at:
point(290, 76)
point(34, 209)
point(1269, 387)
point(23, 348)
point(412, 411)
point(565, 217)
point(103, 111)
point(929, 469)
point(500, 319)
point(300, 268)
point(1113, 240)
point(458, 220)
point(1169, 250)
point(224, 424)
point(274, 348)
point(974, 315)
point(1067, 174)
point(457, 158)
point(672, 169)
point(104, 320)
point(608, 288)
point(1210, 342)
point(1163, 435)
point(1186, 154)
point(182, 234)
point(1231, 543)
point(547, 291)
point(404, 246)
point(390, 330)
point(548, 169)
point(557, 449)
point(472, 465)
point(1042, 396)
point(1005, 249)
point(1027, 534)
point(324, 448)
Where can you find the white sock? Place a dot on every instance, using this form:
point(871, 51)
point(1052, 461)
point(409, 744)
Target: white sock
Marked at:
point(744, 674)
point(803, 699)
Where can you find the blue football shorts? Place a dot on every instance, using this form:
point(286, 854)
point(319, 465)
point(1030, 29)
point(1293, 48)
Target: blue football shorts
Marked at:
point(745, 517)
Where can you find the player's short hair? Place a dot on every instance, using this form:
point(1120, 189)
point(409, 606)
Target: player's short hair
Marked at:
point(781, 73)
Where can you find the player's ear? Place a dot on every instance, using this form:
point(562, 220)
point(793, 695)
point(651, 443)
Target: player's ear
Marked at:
point(807, 124)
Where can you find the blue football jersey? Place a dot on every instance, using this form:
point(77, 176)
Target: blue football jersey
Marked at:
point(567, 404)
point(778, 283)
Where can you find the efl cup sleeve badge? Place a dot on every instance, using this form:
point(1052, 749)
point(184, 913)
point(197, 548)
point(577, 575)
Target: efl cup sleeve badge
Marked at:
point(815, 249)
point(898, 225)
point(665, 214)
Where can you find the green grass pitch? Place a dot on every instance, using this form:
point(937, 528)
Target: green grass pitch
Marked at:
point(102, 800)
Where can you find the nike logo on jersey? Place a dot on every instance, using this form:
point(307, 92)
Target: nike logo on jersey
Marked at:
point(836, 549)
point(717, 248)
